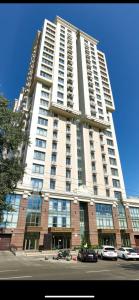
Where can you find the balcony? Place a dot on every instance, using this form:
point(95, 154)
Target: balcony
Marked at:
point(63, 110)
point(95, 121)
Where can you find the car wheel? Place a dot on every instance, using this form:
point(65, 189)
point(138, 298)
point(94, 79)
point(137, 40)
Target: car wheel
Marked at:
point(123, 256)
point(115, 259)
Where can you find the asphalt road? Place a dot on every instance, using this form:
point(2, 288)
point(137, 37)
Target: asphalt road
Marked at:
point(36, 268)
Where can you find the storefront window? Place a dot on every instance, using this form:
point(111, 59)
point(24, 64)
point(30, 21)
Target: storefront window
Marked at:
point(134, 212)
point(10, 219)
point(122, 216)
point(60, 209)
point(104, 216)
point(33, 217)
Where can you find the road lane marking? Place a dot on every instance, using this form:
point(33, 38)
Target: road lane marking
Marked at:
point(68, 296)
point(98, 271)
point(15, 277)
point(9, 271)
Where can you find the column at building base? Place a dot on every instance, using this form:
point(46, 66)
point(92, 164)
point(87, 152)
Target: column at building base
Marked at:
point(118, 239)
point(17, 240)
point(93, 233)
point(132, 240)
point(75, 224)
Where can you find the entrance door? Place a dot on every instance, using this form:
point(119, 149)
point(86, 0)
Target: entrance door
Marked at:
point(31, 241)
point(5, 240)
point(60, 241)
point(107, 239)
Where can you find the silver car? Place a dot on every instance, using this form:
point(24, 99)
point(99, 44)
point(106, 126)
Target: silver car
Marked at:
point(127, 253)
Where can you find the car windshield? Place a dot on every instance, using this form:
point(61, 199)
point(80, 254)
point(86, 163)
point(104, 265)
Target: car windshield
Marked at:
point(130, 250)
point(109, 249)
point(90, 251)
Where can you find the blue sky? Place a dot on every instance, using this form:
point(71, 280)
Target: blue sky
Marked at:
point(116, 26)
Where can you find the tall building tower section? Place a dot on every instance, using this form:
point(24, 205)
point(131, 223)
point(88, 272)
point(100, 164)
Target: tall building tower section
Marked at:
point(73, 188)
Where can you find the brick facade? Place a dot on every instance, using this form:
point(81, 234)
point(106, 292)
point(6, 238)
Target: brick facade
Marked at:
point(75, 224)
point(18, 233)
point(116, 226)
point(44, 221)
point(129, 225)
point(93, 233)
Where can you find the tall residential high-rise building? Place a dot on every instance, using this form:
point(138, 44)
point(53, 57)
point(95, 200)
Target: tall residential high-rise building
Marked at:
point(73, 188)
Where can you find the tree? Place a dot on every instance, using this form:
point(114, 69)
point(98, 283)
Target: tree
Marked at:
point(12, 137)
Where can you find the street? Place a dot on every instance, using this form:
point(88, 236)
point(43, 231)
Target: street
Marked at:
point(37, 268)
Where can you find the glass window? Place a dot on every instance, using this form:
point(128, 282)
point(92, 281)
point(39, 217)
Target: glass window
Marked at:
point(38, 169)
point(116, 183)
point(60, 95)
point(53, 170)
point(34, 203)
point(43, 111)
point(42, 121)
point(44, 94)
point(55, 205)
point(54, 221)
point(111, 151)
point(41, 131)
point(95, 190)
point(53, 157)
point(37, 183)
point(109, 142)
point(44, 102)
point(54, 146)
point(40, 143)
point(118, 195)
point(114, 171)
point(39, 155)
point(104, 216)
point(63, 221)
point(68, 186)
point(112, 161)
point(52, 184)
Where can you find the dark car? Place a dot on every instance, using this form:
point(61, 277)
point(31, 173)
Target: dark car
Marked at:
point(87, 255)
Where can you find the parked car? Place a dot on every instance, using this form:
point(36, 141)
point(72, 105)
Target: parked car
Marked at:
point(136, 249)
point(127, 253)
point(107, 252)
point(87, 255)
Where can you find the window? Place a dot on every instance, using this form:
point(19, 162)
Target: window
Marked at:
point(60, 95)
point(118, 195)
point(37, 183)
point(53, 170)
point(38, 169)
point(94, 178)
point(52, 184)
point(44, 102)
point(63, 221)
point(104, 216)
point(41, 131)
point(53, 157)
point(100, 111)
point(54, 221)
point(40, 143)
point(109, 142)
point(108, 133)
point(33, 219)
point(61, 67)
point(68, 186)
point(55, 123)
point(42, 121)
point(105, 168)
point(61, 73)
point(93, 166)
point(68, 161)
point(54, 146)
point(114, 171)
point(68, 173)
point(10, 219)
point(112, 161)
point(44, 94)
point(34, 203)
point(61, 61)
point(61, 80)
point(95, 190)
point(106, 180)
point(43, 111)
point(116, 183)
point(60, 87)
point(111, 151)
point(107, 193)
point(46, 75)
point(39, 155)
point(55, 134)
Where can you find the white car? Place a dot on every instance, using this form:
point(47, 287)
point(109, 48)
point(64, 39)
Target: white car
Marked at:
point(127, 253)
point(107, 252)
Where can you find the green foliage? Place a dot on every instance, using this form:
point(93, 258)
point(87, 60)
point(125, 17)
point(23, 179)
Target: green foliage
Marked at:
point(12, 136)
